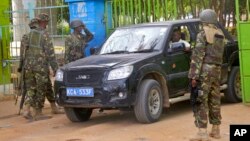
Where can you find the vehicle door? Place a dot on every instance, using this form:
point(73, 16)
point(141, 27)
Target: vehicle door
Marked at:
point(177, 60)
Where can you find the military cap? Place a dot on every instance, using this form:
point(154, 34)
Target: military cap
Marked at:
point(33, 23)
point(43, 17)
point(76, 23)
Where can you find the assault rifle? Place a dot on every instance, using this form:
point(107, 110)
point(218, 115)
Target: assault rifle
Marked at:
point(195, 93)
point(22, 87)
point(22, 90)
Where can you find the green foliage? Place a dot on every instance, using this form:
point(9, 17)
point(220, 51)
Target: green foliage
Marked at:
point(242, 4)
point(232, 30)
point(126, 12)
point(63, 28)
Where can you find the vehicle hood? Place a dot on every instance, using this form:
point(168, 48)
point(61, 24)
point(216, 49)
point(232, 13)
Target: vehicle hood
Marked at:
point(109, 60)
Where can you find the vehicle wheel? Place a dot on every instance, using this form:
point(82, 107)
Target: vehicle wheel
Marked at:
point(78, 114)
point(233, 92)
point(149, 102)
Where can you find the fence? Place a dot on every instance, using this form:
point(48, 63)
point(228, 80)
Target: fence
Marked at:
point(126, 12)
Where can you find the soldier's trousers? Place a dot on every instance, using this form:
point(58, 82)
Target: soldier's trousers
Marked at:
point(36, 84)
point(210, 99)
point(49, 91)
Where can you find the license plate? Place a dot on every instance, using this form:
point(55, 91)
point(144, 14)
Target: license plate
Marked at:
point(80, 92)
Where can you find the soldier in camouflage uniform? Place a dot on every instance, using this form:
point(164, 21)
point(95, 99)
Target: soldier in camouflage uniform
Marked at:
point(49, 93)
point(76, 42)
point(23, 48)
point(205, 67)
point(39, 55)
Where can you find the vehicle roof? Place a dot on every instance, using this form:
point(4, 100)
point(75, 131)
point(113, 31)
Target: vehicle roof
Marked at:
point(172, 22)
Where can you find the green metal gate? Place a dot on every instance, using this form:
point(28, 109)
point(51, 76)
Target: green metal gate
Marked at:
point(127, 12)
point(4, 47)
point(243, 28)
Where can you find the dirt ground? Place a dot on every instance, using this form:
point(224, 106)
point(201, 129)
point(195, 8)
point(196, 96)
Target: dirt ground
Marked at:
point(176, 124)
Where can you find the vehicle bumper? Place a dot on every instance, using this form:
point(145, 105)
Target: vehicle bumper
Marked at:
point(113, 94)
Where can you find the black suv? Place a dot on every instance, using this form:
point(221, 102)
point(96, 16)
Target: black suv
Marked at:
point(139, 68)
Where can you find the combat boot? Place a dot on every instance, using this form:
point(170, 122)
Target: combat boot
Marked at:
point(201, 135)
point(39, 116)
point(55, 109)
point(215, 133)
point(26, 112)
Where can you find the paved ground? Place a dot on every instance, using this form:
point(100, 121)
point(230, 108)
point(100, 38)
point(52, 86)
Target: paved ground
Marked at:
point(176, 124)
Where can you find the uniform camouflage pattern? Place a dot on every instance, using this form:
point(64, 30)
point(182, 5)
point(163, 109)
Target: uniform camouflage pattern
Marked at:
point(210, 100)
point(43, 17)
point(35, 84)
point(208, 73)
point(75, 46)
point(215, 51)
point(198, 54)
point(23, 47)
point(25, 42)
point(49, 93)
point(41, 52)
point(33, 23)
point(39, 56)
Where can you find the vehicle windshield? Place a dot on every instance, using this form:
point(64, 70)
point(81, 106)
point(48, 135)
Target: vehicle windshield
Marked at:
point(134, 40)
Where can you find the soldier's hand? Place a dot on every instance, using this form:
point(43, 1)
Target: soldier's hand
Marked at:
point(194, 83)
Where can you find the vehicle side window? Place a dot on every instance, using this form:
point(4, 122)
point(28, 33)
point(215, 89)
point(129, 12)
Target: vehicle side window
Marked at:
point(185, 33)
point(180, 35)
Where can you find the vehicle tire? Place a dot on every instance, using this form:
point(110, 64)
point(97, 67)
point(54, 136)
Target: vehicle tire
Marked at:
point(233, 92)
point(78, 114)
point(149, 102)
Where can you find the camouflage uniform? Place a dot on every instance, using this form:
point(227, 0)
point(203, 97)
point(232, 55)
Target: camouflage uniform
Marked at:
point(205, 67)
point(25, 43)
point(23, 47)
point(39, 55)
point(23, 51)
point(75, 44)
point(49, 93)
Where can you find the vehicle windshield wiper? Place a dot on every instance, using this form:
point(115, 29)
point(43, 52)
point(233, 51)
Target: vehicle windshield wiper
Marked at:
point(151, 49)
point(118, 52)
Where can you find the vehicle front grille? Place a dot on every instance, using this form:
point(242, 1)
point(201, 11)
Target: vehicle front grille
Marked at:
point(87, 76)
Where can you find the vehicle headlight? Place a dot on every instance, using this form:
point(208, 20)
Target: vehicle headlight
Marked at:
point(120, 73)
point(59, 75)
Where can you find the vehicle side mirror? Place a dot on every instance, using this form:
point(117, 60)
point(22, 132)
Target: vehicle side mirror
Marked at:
point(94, 50)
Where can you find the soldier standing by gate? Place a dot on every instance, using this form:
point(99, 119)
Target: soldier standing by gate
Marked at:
point(205, 68)
point(23, 48)
point(49, 91)
point(39, 55)
point(76, 42)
